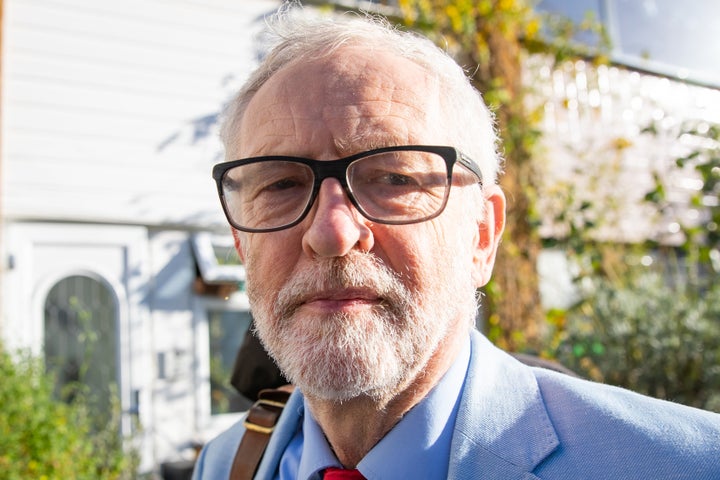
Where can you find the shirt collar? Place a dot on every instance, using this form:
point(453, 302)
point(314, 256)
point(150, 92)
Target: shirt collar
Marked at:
point(417, 447)
point(316, 452)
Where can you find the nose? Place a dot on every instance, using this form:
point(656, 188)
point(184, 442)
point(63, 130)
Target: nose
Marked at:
point(336, 227)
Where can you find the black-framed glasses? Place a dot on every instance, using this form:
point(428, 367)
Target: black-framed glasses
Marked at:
point(392, 185)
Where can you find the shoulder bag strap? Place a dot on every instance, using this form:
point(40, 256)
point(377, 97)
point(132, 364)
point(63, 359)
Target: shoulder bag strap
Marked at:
point(259, 424)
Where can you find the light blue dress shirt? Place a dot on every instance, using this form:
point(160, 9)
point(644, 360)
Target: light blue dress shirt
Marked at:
point(418, 447)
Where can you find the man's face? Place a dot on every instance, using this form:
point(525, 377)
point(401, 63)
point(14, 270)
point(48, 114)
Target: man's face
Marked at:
point(348, 307)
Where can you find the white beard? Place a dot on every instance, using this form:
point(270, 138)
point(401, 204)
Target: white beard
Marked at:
point(374, 353)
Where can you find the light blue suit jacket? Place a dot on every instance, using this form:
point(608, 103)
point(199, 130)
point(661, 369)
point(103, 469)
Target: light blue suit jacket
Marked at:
point(518, 422)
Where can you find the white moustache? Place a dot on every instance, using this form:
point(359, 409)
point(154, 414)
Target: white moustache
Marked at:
point(361, 274)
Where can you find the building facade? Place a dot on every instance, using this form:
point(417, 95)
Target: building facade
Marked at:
point(117, 264)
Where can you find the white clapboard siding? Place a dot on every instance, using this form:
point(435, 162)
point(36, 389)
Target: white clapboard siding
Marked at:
point(104, 104)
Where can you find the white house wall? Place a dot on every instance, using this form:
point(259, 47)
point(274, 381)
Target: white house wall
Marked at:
point(108, 112)
point(104, 105)
point(175, 393)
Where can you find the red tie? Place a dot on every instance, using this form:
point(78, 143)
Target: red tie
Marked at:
point(341, 474)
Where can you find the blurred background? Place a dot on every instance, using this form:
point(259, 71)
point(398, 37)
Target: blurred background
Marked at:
point(122, 303)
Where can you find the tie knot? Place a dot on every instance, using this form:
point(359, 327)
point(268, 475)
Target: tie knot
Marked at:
point(333, 473)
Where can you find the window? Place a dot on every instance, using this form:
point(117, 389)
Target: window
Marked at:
point(217, 259)
point(226, 332)
point(80, 348)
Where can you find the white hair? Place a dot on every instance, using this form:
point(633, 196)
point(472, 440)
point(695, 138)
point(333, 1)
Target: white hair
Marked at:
point(296, 36)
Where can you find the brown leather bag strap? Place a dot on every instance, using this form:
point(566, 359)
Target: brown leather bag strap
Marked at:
point(259, 425)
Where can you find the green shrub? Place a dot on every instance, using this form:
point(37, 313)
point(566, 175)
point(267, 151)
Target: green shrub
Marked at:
point(44, 438)
point(658, 339)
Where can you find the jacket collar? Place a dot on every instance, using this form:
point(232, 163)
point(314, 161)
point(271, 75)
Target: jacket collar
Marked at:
point(502, 429)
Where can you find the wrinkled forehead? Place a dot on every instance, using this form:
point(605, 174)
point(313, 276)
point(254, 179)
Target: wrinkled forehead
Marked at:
point(348, 96)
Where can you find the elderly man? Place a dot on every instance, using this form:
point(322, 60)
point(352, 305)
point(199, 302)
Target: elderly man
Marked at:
point(360, 183)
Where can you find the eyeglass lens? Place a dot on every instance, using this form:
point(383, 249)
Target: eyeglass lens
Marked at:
point(394, 187)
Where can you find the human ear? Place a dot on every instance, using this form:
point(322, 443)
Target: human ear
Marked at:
point(490, 230)
point(238, 245)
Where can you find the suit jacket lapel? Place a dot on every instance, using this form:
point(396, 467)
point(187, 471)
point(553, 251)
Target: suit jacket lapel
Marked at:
point(502, 429)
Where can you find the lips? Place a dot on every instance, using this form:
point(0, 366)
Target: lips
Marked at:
point(343, 294)
point(341, 299)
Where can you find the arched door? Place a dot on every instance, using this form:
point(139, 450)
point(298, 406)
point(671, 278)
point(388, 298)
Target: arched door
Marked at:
point(77, 295)
point(81, 342)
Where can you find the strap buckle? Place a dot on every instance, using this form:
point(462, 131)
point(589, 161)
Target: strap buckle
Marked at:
point(264, 413)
